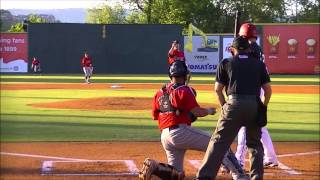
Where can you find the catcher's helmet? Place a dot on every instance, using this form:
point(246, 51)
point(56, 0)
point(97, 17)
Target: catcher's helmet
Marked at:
point(240, 43)
point(178, 68)
point(248, 30)
point(175, 41)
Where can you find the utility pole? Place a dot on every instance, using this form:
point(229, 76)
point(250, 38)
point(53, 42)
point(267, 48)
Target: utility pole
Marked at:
point(296, 11)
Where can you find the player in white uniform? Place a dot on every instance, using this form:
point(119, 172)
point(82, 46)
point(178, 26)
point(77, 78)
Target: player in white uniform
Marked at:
point(270, 158)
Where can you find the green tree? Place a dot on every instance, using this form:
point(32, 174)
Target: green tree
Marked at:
point(136, 17)
point(145, 6)
point(304, 11)
point(16, 28)
point(32, 18)
point(104, 14)
point(210, 15)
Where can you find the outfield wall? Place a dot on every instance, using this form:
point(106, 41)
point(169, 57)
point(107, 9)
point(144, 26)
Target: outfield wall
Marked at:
point(14, 52)
point(142, 49)
point(138, 49)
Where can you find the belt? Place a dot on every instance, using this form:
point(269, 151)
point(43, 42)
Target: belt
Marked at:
point(241, 96)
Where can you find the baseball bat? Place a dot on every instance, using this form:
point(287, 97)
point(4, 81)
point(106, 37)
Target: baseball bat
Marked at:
point(237, 24)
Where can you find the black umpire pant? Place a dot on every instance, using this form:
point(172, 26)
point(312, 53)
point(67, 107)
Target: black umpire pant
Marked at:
point(240, 110)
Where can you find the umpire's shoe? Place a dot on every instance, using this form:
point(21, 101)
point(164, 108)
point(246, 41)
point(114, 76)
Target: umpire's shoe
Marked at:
point(148, 168)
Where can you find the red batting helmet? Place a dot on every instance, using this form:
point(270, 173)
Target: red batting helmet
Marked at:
point(248, 30)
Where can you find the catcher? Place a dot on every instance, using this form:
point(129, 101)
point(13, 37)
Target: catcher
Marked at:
point(175, 107)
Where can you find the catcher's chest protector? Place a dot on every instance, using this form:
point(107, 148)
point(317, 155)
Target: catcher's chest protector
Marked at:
point(165, 99)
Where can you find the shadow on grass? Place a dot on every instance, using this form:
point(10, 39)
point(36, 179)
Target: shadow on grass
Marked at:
point(120, 128)
point(42, 97)
point(57, 80)
point(75, 116)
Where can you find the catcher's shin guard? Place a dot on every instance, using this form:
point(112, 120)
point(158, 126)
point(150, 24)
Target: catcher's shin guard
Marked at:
point(231, 162)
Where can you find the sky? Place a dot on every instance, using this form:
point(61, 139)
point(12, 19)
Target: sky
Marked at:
point(52, 4)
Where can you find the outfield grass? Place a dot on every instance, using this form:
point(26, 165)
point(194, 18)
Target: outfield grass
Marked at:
point(292, 117)
point(147, 78)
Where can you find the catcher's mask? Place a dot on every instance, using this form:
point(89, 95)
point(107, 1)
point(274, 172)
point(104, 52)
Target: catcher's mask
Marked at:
point(176, 42)
point(240, 43)
point(178, 69)
point(248, 30)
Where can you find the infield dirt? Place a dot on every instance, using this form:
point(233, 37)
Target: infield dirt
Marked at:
point(23, 167)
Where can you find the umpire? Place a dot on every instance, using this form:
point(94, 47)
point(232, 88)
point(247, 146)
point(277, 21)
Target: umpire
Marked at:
point(242, 76)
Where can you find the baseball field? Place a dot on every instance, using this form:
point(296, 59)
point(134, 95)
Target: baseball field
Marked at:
point(58, 127)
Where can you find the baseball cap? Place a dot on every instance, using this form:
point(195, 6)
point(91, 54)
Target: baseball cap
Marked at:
point(240, 43)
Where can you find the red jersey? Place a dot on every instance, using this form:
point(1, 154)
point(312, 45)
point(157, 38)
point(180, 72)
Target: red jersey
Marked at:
point(182, 98)
point(175, 55)
point(86, 62)
point(35, 62)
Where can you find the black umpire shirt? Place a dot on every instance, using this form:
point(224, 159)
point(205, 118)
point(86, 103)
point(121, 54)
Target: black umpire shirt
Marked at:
point(242, 74)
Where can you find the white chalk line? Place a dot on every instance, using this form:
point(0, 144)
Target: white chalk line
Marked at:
point(290, 170)
point(287, 169)
point(299, 154)
point(197, 163)
point(132, 166)
point(90, 174)
point(41, 156)
point(133, 170)
point(48, 166)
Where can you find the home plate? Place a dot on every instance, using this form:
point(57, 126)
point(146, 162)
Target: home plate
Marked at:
point(88, 168)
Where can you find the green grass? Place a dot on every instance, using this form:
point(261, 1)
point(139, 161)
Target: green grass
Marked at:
point(147, 78)
point(292, 117)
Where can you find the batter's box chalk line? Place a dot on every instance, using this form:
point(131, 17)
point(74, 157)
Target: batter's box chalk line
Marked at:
point(48, 168)
point(289, 171)
point(47, 165)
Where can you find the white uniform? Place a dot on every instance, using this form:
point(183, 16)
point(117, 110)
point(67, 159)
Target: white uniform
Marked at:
point(270, 157)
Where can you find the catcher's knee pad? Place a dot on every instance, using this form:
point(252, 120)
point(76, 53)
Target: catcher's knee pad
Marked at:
point(168, 172)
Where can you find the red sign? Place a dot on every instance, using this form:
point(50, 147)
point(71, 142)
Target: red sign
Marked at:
point(292, 49)
point(14, 52)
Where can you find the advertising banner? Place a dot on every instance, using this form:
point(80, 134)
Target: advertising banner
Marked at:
point(226, 43)
point(204, 57)
point(13, 52)
point(292, 49)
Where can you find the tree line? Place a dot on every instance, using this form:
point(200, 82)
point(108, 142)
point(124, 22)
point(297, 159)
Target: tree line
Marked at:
point(211, 16)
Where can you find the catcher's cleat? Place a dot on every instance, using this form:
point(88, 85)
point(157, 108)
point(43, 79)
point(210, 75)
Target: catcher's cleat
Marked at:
point(224, 170)
point(148, 168)
point(239, 176)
